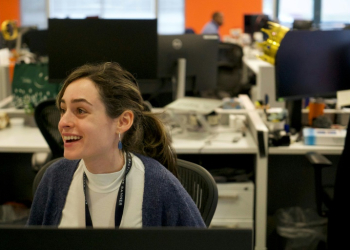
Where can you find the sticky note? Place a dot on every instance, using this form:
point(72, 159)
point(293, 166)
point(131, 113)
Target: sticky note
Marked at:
point(343, 98)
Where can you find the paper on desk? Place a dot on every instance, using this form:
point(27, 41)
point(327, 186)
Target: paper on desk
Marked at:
point(4, 57)
point(343, 98)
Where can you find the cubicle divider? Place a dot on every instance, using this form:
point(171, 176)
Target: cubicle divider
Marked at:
point(260, 134)
point(5, 85)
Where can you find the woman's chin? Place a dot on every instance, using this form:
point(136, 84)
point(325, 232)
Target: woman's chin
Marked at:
point(70, 156)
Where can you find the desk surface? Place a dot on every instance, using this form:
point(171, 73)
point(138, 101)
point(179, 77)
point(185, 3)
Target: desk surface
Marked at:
point(220, 141)
point(298, 148)
point(22, 140)
point(30, 140)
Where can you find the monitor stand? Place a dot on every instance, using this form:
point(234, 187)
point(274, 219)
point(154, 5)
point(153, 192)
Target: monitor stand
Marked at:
point(180, 83)
point(294, 115)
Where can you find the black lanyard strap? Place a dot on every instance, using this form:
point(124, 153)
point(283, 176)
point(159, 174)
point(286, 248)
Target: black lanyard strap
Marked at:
point(119, 209)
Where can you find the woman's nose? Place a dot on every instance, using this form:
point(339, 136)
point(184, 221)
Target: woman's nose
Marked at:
point(66, 120)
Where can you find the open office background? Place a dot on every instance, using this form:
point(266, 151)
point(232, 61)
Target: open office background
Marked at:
point(328, 13)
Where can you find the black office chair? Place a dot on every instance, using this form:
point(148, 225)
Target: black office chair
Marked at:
point(230, 64)
point(47, 116)
point(198, 182)
point(201, 186)
point(332, 201)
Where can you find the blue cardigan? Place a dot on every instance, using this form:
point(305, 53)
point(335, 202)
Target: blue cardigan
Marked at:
point(165, 201)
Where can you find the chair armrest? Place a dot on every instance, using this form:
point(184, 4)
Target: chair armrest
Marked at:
point(317, 159)
point(40, 159)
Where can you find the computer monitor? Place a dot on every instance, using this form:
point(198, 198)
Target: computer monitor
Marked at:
point(132, 239)
point(74, 42)
point(312, 64)
point(254, 23)
point(299, 24)
point(36, 41)
point(201, 54)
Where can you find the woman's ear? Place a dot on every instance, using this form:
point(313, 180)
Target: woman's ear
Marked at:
point(125, 121)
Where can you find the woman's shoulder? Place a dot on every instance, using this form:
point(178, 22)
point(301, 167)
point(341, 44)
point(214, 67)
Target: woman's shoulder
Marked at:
point(62, 166)
point(154, 168)
point(159, 177)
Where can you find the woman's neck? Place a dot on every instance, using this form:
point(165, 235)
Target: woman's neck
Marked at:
point(105, 164)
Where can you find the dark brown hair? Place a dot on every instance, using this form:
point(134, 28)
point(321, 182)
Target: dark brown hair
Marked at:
point(119, 91)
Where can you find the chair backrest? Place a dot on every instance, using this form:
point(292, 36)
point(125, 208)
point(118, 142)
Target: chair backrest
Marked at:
point(229, 69)
point(201, 186)
point(198, 182)
point(47, 117)
point(41, 172)
point(230, 55)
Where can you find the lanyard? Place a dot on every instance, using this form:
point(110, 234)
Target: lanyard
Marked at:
point(119, 209)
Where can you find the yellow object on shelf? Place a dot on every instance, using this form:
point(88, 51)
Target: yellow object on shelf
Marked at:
point(9, 30)
point(276, 33)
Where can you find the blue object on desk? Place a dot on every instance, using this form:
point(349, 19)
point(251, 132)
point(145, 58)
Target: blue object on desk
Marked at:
point(266, 99)
point(328, 137)
point(286, 128)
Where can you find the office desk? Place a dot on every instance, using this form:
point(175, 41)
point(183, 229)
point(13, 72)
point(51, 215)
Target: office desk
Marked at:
point(22, 140)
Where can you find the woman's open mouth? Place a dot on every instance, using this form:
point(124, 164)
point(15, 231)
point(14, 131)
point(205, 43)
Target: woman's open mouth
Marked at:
point(69, 139)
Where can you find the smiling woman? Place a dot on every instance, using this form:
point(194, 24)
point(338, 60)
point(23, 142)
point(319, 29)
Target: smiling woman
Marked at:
point(119, 166)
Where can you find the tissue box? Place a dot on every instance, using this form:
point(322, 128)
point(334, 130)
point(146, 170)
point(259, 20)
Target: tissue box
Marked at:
point(327, 137)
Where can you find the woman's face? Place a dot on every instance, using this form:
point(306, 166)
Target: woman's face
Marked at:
point(87, 132)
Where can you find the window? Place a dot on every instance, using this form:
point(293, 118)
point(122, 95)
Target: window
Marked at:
point(171, 13)
point(295, 9)
point(268, 8)
point(171, 17)
point(335, 13)
point(33, 13)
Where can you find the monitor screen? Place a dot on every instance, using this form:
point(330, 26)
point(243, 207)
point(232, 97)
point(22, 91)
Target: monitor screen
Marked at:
point(200, 52)
point(299, 24)
point(254, 23)
point(36, 41)
point(74, 42)
point(155, 238)
point(312, 64)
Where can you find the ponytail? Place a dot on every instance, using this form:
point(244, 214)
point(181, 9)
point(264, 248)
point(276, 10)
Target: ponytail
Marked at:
point(148, 136)
point(157, 142)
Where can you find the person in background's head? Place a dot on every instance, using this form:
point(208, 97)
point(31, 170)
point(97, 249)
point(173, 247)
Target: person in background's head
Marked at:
point(212, 27)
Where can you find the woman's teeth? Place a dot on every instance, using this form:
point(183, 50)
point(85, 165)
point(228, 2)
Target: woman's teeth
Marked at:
point(71, 138)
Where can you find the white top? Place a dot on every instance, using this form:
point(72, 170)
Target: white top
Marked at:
point(102, 191)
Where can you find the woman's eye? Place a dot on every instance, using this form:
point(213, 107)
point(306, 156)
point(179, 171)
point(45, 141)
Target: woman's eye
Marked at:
point(62, 111)
point(81, 111)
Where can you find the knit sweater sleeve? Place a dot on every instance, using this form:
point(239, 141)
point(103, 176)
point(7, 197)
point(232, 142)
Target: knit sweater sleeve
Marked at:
point(166, 202)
